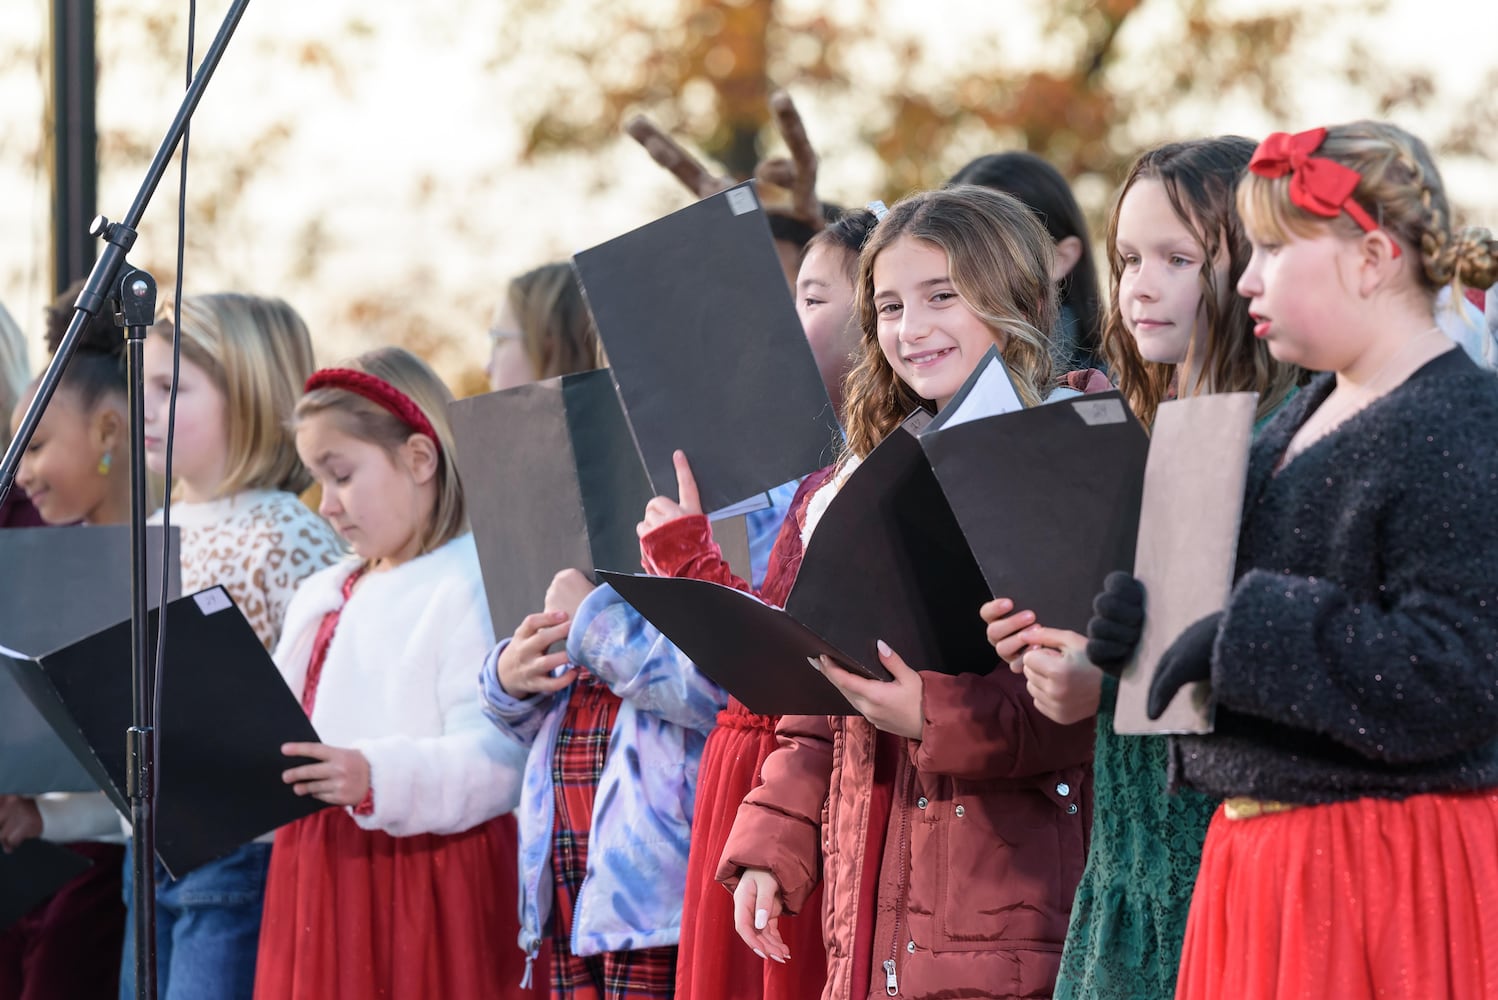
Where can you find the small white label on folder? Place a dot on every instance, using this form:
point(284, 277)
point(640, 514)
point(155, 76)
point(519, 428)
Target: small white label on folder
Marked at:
point(741, 201)
point(213, 601)
point(1100, 411)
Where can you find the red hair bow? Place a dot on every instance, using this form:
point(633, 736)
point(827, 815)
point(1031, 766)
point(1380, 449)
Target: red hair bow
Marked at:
point(1320, 186)
point(377, 391)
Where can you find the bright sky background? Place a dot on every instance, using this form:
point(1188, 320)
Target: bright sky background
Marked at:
point(409, 155)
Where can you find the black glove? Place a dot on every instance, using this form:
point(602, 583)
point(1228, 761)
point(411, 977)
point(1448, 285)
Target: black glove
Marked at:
point(1118, 622)
point(1188, 659)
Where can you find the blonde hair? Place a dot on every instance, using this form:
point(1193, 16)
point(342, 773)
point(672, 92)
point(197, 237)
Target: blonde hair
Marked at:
point(999, 260)
point(1400, 187)
point(369, 421)
point(258, 353)
point(556, 328)
point(15, 371)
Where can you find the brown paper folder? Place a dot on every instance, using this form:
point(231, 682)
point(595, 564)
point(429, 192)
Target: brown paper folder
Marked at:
point(1188, 540)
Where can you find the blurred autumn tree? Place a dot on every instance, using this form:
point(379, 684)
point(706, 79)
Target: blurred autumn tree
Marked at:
point(1107, 78)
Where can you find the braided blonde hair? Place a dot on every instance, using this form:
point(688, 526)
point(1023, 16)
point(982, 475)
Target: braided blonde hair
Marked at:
point(1399, 186)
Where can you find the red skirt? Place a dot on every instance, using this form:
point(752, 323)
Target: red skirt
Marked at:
point(1369, 898)
point(714, 963)
point(352, 914)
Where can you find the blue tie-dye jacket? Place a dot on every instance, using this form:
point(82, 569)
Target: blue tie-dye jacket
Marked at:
point(632, 893)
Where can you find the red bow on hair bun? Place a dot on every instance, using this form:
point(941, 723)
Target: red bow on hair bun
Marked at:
point(377, 391)
point(1320, 186)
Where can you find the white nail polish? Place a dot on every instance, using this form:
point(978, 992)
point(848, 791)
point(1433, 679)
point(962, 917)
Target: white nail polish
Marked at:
point(760, 953)
point(761, 919)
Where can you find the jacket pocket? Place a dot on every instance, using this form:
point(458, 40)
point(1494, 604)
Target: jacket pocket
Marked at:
point(998, 869)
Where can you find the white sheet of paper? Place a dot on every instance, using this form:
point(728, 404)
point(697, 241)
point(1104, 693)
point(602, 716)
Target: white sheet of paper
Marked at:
point(992, 394)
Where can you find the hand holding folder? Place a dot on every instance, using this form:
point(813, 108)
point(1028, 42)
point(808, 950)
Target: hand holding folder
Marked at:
point(225, 713)
point(930, 525)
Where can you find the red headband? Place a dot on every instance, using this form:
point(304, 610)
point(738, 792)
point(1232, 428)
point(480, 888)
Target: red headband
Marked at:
point(377, 391)
point(1320, 186)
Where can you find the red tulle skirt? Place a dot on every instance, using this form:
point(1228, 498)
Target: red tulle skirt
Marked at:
point(714, 963)
point(1369, 898)
point(352, 914)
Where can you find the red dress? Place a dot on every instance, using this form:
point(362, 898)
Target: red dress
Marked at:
point(1364, 898)
point(354, 914)
point(714, 963)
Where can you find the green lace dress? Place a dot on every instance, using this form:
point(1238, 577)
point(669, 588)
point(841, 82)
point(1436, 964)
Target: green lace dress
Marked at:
point(1129, 916)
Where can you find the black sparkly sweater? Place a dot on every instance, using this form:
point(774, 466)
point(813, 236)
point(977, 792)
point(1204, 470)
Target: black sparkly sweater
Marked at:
point(1358, 655)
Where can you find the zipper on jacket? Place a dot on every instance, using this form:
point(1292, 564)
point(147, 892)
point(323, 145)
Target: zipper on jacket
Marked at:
point(892, 981)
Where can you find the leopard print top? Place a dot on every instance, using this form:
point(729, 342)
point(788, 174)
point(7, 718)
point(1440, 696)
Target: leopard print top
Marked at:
point(259, 544)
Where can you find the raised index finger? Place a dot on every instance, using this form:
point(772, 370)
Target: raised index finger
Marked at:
point(686, 483)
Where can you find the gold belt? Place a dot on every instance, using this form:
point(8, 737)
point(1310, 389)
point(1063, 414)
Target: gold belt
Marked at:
point(1243, 807)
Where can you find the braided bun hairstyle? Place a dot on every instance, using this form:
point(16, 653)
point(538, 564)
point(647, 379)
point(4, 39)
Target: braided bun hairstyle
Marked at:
point(1401, 188)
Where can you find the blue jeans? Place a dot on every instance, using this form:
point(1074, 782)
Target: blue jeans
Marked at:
point(207, 928)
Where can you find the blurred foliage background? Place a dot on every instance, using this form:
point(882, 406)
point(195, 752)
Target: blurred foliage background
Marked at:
point(386, 169)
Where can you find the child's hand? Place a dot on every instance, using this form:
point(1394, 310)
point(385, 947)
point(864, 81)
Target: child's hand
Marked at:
point(1004, 629)
point(894, 705)
point(20, 821)
point(340, 777)
point(1064, 683)
point(757, 905)
point(525, 668)
point(568, 590)
point(661, 510)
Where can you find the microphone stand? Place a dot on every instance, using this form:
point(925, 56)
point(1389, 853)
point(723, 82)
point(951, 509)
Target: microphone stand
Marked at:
point(132, 294)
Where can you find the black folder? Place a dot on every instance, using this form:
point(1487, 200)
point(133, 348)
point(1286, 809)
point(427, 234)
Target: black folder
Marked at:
point(225, 711)
point(32, 873)
point(1048, 499)
point(709, 356)
point(65, 584)
point(553, 481)
point(887, 561)
point(1038, 505)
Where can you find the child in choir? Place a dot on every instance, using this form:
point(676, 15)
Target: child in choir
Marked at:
point(712, 961)
point(641, 700)
point(76, 469)
point(407, 887)
point(1175, 326)
point(1076, 341)
point(1352, 671)
point(236, 476)
point(947, 820)
point(542, 329)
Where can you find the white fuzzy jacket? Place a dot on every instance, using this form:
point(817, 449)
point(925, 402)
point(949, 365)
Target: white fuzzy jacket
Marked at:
point(398, 686)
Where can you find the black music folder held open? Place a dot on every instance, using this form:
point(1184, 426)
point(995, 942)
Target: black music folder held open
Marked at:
point(938, 519)
point(225, 711)
point(1048, 499)
point(31, 873)
point(710, 358)
point(553, 481)
point(63, 584)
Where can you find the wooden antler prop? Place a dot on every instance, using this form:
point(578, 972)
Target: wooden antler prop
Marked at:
point(670, 154)
point(798, 174)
